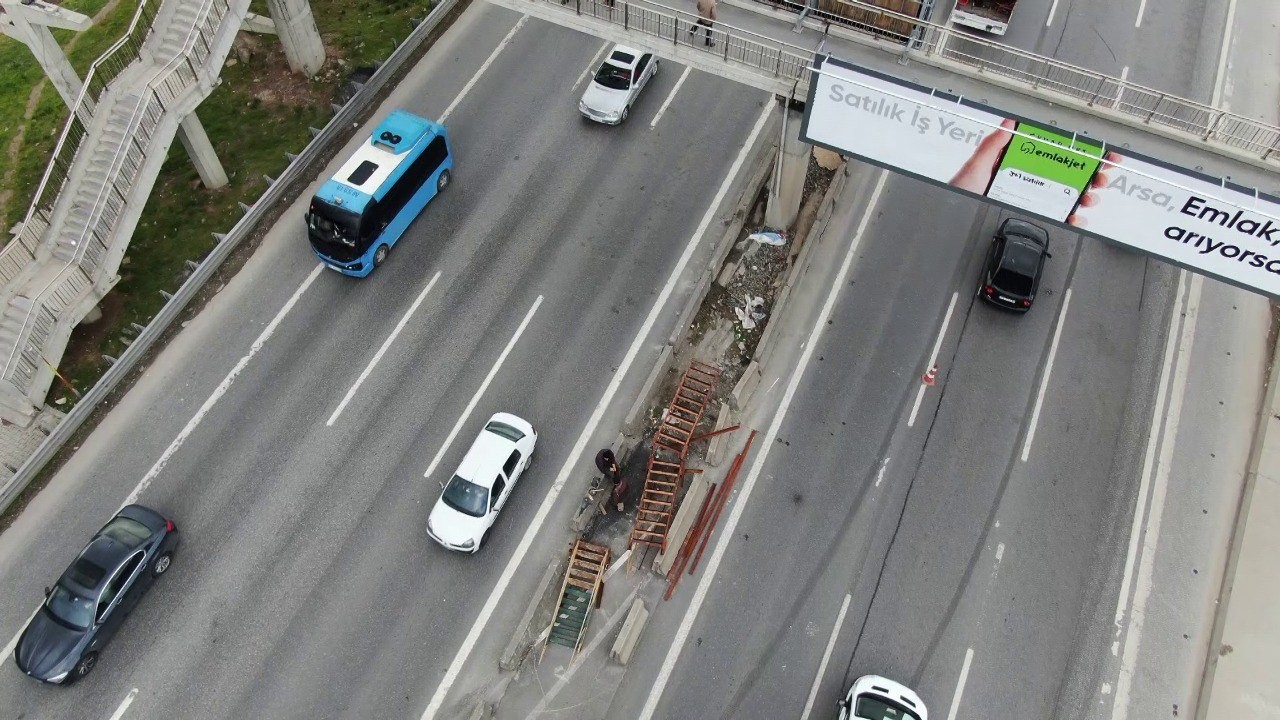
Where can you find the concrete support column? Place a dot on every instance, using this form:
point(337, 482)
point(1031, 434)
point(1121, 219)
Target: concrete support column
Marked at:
point(787, 186)
point(196, 141)
point(297, 29)
point(29, 24)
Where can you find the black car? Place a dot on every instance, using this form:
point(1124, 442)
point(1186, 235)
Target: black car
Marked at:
point(92, 598)
point(1012, 274)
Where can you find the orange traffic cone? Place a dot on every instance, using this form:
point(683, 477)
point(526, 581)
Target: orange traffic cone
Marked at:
point(930, 376)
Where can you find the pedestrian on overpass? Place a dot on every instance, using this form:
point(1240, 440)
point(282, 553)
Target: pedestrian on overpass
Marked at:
point(706, 17)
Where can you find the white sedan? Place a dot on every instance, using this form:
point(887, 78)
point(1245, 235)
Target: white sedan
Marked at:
point(876, 698)
point(617, 84)
point(471, 500)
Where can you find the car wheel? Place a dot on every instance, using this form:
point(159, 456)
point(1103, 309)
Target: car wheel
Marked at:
point(162, 564)
point(626, 110)
point(443, 182)
point(656, 67)
point(84, 667)
point(483, 539)
point(380, 255)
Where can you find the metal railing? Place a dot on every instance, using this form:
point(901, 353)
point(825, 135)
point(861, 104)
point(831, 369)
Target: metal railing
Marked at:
point(165, 85)
point(733, 45)
point(109, 65)
point(930, 42)
point(333, 133)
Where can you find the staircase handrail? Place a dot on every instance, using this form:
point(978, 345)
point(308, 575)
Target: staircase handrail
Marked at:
point(102, 71)
point(154, 84)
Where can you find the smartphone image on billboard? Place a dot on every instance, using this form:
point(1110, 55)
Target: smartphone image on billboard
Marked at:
point(1044, 172)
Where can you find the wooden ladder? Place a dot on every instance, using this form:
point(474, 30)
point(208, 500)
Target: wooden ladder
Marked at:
point(681, 419)
point(583, 582)
point(657, 503)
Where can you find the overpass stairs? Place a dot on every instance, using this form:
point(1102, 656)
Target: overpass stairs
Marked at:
point(66, 255)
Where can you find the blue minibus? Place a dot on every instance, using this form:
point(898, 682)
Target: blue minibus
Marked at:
point(358, 215)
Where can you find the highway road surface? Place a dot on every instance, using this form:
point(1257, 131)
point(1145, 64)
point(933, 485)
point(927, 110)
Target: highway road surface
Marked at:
point(288, 429)
point(1042, 534)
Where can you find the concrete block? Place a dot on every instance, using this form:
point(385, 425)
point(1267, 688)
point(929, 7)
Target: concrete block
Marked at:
point(683, 522)
point(634, 422)
point(747, 384)
point(629, 635)
point(523, 639)
point(717, 445)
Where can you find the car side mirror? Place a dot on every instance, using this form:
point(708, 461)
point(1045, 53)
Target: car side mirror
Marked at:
point(1048, 255)
point(48, 591)
point(441, 486)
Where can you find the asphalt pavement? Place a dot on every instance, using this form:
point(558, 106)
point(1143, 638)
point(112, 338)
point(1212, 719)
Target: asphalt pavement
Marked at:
point(1045, 536)
point(306, 585)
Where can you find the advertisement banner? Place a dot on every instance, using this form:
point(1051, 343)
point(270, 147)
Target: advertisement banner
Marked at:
point(1207, 226)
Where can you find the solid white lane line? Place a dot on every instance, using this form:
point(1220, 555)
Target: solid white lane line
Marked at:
point(1044, 379)
point(579, 446)
point(591, 66)
point(1149, 457)
point(382, 350)
point(1142, 6)
point(1219, 85)
point(1053, 8)
point(933, 357)
point(964, 676)
point(128, 700)
point(793, 384)
point(192, 424)
point(485, 66)
point(1151, 538)
point(670, 97)
point(826, 657)
point(475, 399)
point(377, 357)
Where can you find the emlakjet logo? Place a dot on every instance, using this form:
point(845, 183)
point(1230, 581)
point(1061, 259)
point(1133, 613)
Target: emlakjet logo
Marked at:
point(1071, 181)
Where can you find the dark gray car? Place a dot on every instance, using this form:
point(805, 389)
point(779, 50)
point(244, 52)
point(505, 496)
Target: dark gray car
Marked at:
point(92, 598)
point(1011, 276)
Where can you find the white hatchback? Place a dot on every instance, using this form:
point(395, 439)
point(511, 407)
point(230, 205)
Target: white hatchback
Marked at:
point(876, 698)
point(471, 500)
point(617, 85)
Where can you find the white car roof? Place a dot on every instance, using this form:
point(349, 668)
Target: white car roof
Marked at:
point(489, 451)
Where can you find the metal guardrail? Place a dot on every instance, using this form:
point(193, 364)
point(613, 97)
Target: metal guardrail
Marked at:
point(332, 133)
point(1204, 122)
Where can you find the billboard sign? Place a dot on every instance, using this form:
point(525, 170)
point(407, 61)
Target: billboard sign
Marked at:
point(1206, 225)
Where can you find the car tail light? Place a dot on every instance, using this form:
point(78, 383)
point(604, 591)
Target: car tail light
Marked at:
point(990, 290)
point(1026, 303)
point(168, 526)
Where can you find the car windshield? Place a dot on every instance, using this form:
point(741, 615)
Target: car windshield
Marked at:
point(127, 532)
point(466, 497)
point(333, 224)
point(878, 708)
point(502, 429)
point(69, 609)
point(613, 77)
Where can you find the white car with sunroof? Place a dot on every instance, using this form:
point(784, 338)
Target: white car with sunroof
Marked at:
point(617, 84)
point(471, 500)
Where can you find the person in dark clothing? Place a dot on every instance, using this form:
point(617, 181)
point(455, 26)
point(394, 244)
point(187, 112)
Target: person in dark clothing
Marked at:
point(607, 464)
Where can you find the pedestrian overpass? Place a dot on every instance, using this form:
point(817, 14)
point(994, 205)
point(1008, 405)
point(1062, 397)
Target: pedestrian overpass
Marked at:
point(756, 43)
